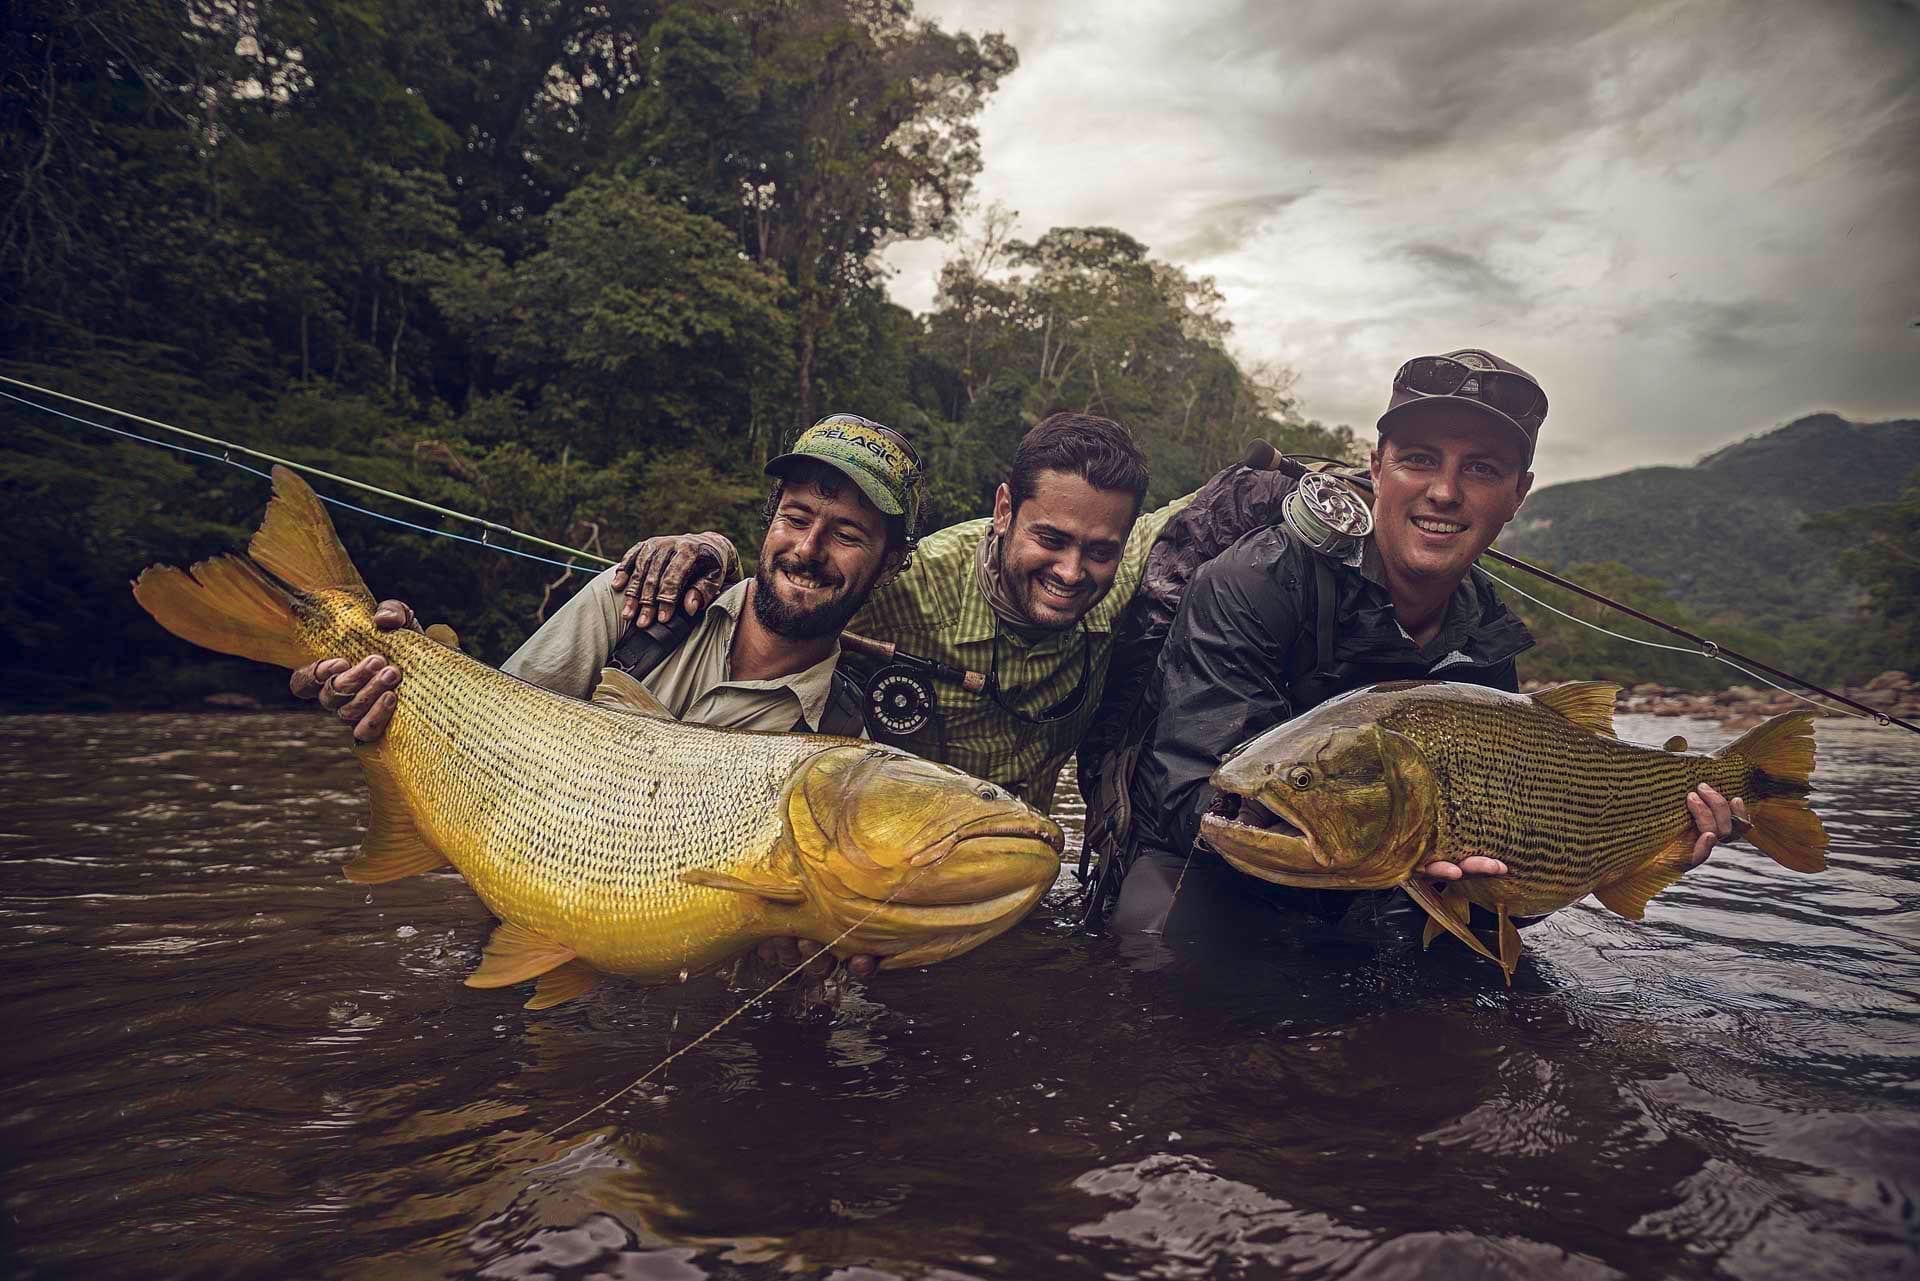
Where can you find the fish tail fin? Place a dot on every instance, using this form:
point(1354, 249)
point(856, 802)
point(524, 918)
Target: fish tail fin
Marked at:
point(1780, 752)
point(244, 605)
point(296, 543)
point(225, 604)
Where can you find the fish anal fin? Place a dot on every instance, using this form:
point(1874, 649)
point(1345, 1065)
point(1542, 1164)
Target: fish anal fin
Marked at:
point(1442, 913)
point(393, 847)
point(297, 544)
point(1678, 743)
point(1629, 894)
point(1588, 704)
point(562, 984)
point(760, 886)
point(1510, 946)
point(515, 954)
point(624, 694)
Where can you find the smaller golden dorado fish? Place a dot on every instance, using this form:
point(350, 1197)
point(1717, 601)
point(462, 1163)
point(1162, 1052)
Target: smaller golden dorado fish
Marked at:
point(1365, 789)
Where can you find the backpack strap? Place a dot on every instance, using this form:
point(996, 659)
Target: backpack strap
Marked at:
point(846, 711)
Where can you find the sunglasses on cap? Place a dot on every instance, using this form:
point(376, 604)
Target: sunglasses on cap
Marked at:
point(1515, 395)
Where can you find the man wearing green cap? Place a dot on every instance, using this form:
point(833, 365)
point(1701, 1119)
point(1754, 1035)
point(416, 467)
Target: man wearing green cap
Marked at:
point(763, 655)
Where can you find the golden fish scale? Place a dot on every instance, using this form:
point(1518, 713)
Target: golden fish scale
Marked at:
point(1566, 809)
point(570, 819)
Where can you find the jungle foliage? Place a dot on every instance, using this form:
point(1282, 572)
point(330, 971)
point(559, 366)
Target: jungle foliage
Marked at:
point(576, 267)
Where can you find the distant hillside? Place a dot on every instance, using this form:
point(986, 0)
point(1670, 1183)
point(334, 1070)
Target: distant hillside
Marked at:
point(1725, 534)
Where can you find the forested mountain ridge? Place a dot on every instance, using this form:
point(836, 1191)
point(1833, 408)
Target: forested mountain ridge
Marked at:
point(1752, 540)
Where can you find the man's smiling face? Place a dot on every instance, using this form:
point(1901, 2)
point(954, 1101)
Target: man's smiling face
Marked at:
point(1060, 552)
point(1446, 482)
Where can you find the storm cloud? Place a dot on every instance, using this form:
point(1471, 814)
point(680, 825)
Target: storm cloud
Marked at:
point(1693, 220)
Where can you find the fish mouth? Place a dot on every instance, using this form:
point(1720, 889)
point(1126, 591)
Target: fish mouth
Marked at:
point(1262, 841)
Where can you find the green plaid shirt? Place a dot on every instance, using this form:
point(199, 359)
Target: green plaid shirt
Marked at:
point(936, 610)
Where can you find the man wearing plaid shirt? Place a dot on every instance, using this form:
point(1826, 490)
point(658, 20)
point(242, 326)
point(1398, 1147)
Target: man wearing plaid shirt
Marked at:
point(1027, 596)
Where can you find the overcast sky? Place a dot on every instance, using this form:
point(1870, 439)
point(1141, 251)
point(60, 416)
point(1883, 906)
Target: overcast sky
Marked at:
point(1692, 221)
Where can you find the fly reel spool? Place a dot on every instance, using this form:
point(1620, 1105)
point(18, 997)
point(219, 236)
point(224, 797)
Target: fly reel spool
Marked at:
point(1327, 513)
point(900, 700)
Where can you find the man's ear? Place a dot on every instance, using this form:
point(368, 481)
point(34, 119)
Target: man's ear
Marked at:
point(1002, 510)
point(1523, 488)
point(1373, 460)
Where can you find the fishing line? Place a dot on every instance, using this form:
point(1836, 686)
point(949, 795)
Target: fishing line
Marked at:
point(229, 448)
point(336, 502)
point(1682, 649)
point(751, 1001)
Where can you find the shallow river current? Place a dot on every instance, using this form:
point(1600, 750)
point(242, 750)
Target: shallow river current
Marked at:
point(220, 1059)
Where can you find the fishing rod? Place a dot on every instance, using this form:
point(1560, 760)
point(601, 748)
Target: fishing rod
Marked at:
point(229, 448)
point(1327, 508)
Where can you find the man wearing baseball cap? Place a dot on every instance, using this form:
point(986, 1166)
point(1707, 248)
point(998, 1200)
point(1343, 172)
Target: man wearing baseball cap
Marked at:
point(1272, 627)
point(842, 517)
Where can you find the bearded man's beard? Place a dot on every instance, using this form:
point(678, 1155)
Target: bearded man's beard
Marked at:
point(794, 622)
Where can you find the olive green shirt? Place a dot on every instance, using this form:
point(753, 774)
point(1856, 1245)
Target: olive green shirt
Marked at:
point(936, 610)
point(693, 682)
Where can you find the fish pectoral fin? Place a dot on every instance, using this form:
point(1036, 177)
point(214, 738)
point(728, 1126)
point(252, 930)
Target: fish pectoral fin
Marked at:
point(1628, 895)
point(760, 885)
point(1678, 743)
point(441, 634)
point(624, 694)
point(1442, 912)
point(1456, 903)
point(1588, 704)
point(515, 954)
point(1509, 946)
point(394, 847)
point(573, 979)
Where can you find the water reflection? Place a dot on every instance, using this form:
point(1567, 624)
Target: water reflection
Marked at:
point(239, 1065)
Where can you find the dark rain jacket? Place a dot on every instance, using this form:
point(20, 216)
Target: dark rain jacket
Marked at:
point(1243, 655)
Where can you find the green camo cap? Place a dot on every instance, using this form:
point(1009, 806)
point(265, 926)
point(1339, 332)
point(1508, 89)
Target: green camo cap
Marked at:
point(877, 458)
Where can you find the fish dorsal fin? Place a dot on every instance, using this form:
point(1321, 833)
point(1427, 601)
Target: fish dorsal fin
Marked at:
point(1442, 911)
point(562, 984)
point(759, 884)
point(624, 694)
point(515, 954)
point(394, 847)
point(1588, 704)
point(1678, 743)
point(444, 635)
point(297, 545)
point(1628, 896)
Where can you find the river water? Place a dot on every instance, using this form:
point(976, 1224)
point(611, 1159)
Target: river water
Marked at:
point(223, 1060)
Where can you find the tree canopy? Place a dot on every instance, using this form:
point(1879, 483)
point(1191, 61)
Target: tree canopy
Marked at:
point(579, 268)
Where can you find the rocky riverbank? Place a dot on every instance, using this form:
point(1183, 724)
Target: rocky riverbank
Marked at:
point(1743, 706)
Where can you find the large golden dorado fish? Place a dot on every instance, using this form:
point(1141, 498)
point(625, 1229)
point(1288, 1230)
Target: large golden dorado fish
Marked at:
point(1365, 789)
point(613, 840)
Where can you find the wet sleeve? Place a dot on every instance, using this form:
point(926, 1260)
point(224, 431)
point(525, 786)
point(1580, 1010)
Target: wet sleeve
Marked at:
point(570, 648)
point(1217, 684)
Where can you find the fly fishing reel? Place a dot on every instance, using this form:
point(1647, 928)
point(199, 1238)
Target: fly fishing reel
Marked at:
point(900, 700)
point(1327, 513)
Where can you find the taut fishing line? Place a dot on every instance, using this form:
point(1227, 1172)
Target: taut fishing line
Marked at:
point(229, 448)
point(1881, 719)
point(748, 1004)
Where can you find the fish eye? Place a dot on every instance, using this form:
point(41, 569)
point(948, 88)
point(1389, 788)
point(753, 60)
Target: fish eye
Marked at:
point(987, 792)
point(1301, 777)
